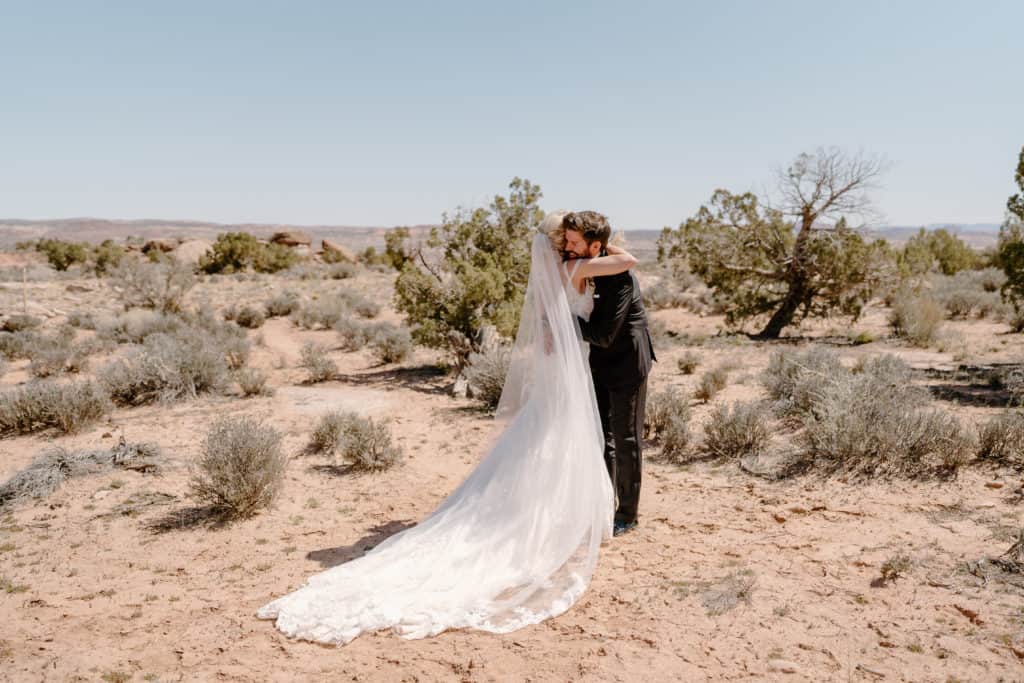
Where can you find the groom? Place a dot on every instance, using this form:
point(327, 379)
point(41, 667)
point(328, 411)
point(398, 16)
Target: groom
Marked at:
point(620, 359)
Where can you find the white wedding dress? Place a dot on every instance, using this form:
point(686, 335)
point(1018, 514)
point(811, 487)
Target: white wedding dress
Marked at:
point(517, 541)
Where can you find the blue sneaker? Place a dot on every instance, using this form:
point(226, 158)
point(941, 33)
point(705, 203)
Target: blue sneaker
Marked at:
point(620, 528)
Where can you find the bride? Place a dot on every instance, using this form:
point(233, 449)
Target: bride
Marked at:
point(516, 542)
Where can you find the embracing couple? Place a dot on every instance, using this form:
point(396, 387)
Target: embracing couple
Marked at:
point(517, 541)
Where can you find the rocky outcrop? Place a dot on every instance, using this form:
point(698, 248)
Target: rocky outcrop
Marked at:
point(335, 252)
point(292, 238)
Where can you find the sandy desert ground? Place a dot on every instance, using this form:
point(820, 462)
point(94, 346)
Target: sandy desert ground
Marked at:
point(729, 577)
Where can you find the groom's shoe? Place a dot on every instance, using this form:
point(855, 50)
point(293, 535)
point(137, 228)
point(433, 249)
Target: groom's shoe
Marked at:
point(623, 528)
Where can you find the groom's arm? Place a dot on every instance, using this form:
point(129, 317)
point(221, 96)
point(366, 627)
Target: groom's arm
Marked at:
point(609, 314)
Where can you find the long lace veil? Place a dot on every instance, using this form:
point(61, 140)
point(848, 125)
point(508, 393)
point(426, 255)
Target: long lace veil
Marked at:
point(517, 541)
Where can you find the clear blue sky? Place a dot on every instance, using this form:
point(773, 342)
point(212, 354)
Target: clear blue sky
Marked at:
point(386, 113)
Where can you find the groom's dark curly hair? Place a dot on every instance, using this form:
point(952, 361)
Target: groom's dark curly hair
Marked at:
point(591, 224)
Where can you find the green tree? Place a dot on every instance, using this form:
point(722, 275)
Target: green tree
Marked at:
point(61, 254)
point(396, 251)
point(238, 251)
point(471, 272)
point(1010, 255)
point(936, 250)
point(105, 257)
point(788, 261)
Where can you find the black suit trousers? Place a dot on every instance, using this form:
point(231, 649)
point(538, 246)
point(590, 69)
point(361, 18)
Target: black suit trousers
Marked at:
point(622, 419)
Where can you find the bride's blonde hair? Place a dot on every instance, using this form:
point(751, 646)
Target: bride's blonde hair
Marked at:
point(553, 227)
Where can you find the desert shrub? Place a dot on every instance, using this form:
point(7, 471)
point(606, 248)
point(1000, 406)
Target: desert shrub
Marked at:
point(391, 344)
point(162, 285)
point(168, 367)
point(340, 271)
point(241, 469)
point(916, 318)
point(273, 258)
point(3, 366)
point(62, 254)
point(738, 431)
point(65, 406)
point(54, 466)
point(1001, 439)
point(485, 374)
point(662, 408)
point(232, 341)
point(105, 257)
point(688, 363)
point(663, 294)
point(869, 423)
point(359, 304)
point(361, 442)
point(792, 378)
point(711, 382)
point(133, 326)
point(281, 304)
point(314, 359)
point(82, 320)
point(57, 353)
point(675, 439)
point(234, 252)
point(19, 322)
point(969, 292)
point(324, 312)
point(249, 317)
point(253, 382)
point(17, 345)
point(354, 334)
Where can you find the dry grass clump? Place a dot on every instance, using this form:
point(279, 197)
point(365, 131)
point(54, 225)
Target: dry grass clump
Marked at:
point(662, 407)
point(57, 353)
point(1001, 439)
point(485, 375)
point(869, 423)
point(54, 466)
point(133, 326)
point(282, 304)
point(667, 419)
point(162, 285)
point(739, 431)
point(241, 469)
point(970, 293)
point(391, 344)
point(688, 363)
point(362, 443)
point(168, 367)
point(253, 382)
point(330, 309)
point(728, 593)
point(314, 359)
point(20, 322)
point(246, 316)
point(711, 383)
point(792, 377)
point(65, 406)
point(917, 318)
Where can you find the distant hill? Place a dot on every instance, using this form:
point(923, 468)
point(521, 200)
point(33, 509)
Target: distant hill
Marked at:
point(357, 237)
point(96, 230)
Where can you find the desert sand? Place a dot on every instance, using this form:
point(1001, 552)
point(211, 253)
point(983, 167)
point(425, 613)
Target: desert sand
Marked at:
point(728, 577)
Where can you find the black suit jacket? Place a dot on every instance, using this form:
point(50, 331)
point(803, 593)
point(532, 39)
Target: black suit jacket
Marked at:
point(621, 351)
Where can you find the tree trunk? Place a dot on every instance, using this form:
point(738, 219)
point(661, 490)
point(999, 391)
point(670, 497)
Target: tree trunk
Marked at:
point(797, 278)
